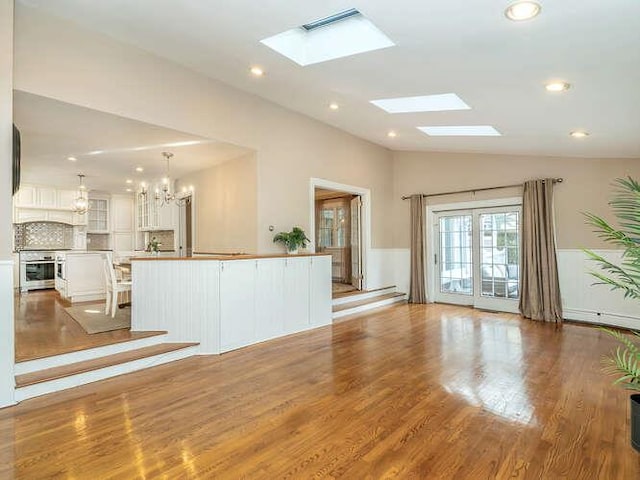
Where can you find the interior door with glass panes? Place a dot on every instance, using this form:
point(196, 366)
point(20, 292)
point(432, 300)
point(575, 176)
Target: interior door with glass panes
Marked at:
point(477, 258)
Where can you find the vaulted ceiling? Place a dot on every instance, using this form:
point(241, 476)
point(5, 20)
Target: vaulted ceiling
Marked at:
point(498, 67)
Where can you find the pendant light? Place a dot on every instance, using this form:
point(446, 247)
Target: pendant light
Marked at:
point(81, 202)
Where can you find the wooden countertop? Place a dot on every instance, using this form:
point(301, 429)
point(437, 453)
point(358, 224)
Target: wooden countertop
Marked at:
point(230, 257)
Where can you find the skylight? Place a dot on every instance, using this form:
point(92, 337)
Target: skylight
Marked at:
point(343, 34)
point(425, 103)
point(461, 131)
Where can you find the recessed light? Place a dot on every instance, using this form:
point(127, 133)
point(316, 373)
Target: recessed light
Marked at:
point(139, 169)
point(579, 134)
point(524, 10)
point(423, 103)
point(128, 190)
point(334, 106)
point(461, 131)
point(128, 180)
point(72, 159)
point(557, 86)
point(392, 134)
point(257, 71)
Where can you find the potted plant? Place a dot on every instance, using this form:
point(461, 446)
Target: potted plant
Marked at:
point(153, 246)
point(625, 361)
point(292, 240)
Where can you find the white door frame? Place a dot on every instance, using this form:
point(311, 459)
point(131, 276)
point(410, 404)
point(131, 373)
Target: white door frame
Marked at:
point(365, 234)
point(431, 241)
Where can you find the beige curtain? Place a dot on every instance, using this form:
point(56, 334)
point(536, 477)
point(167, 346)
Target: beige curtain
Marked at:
point(540, 289)
point(417, 291)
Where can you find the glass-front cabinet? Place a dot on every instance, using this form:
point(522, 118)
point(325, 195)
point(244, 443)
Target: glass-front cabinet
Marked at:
point(98, 215)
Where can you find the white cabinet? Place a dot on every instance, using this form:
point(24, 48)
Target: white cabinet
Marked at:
point(84, 277)
point(66, 198)
point(269, 298)
point(122, 213)
point(98, 215)
point(27, 196)
point(35, 203)
point(123, 242)
point(319, 290)
point(150, 215)
point(237, 304)
point(296, 294)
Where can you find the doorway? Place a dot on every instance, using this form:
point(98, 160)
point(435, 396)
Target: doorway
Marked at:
point(185, 226)
point(338, 232)
point(477, 256)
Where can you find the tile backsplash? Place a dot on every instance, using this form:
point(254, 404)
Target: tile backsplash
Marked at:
point(42, 235)
point(164, 238)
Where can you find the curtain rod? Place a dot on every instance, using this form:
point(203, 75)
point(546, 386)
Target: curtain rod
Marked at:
point(474, 190)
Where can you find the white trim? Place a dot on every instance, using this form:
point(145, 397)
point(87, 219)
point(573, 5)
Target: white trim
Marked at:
point(433, 210)
point(602, 318)
point(365, 195)
point(29, 366)
point(369, 306)
point(362, 296)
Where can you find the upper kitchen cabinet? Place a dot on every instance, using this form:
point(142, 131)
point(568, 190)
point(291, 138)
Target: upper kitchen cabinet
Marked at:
point(152, 216)
point(122, 213)
point(34, 203)
point(98, 215)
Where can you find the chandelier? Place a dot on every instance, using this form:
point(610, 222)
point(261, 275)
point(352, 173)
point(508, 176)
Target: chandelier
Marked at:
point(81, 202)
point(165, 194)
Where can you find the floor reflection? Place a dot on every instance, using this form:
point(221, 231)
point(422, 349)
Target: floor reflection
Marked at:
point(483, 363)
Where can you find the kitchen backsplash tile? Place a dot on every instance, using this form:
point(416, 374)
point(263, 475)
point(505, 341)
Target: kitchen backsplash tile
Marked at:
point(43, 235)
point(164, 238)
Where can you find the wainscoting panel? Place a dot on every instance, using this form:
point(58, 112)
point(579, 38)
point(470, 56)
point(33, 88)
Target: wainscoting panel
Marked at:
point(192, 293)
point(7, 359)
point(586, 302)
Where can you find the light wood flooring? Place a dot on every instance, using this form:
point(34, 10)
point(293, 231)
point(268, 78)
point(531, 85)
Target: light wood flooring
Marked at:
point(409, 392)
point(43, 328)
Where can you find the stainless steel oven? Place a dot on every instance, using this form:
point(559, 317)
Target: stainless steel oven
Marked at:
point(37, 270)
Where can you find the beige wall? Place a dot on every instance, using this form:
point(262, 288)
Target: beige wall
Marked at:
point(58, 59)
point(586, 186)
point(225, 206)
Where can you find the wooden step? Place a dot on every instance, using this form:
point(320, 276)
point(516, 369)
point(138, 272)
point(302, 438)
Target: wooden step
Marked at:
point(366, 301)
point(360, 292)
point(97, 363)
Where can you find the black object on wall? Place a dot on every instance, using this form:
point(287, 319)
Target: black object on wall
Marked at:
point(16, 159)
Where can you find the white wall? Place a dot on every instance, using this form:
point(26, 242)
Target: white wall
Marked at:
point(7, 383)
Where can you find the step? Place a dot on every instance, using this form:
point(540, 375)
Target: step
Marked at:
point(142, 339)
point(59, 378)
point(367, 304)
point(358, 295)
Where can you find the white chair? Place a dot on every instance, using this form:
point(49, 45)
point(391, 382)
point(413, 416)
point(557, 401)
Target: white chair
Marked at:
point(113, 285)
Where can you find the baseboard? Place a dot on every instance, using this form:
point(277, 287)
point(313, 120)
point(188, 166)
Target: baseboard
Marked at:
point(602, 318)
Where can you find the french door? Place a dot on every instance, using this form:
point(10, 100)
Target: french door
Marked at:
point(477, 259)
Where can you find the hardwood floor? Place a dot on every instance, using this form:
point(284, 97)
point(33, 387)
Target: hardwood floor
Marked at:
point(409, 392)
point(43, 328)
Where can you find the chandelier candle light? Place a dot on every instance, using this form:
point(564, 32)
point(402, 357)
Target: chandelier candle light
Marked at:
point(81, 202)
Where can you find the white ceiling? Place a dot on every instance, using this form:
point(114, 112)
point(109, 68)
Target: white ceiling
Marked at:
point(51, 131)
point(465, 47)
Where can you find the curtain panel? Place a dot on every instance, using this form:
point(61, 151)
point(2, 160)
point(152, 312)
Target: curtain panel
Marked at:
point(417, 290)
point(540, 288)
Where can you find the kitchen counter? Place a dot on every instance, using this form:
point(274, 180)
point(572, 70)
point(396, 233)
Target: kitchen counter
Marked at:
point(234, 256)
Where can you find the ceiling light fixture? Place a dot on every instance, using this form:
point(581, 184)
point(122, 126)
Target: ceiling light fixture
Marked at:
point(523, 10)
point(81, 202)
point(139, 169)
point(392, 134)
point(579, 134)
point(128, 180)
point(72, 159)
point(557, 86)
point(128, 190)
point(334, 106)
point(257, 71)
point(165, 194)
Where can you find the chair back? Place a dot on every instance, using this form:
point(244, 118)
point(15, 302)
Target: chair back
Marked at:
point(109, 271)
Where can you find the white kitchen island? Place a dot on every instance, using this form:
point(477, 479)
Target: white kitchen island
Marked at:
point(228, 302)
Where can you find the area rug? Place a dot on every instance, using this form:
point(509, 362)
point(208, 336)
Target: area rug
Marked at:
point(92, 319)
